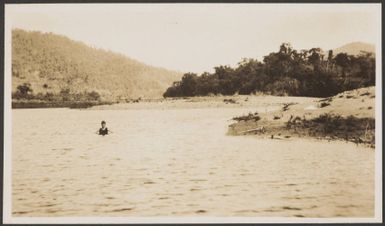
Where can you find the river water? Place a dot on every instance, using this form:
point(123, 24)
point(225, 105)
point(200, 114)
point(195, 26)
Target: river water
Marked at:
point(179, 162)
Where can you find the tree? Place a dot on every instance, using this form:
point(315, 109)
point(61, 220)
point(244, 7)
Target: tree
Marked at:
point(188, 84)
point(65, 94)
point(285, 48)
point(94, 96)
point(315, 58)
point(227, 80)
point(342, 60)
point(286, 72)
point(330, 60)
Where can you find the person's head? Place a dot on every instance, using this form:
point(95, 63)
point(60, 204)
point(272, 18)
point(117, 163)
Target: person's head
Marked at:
point(103, 124)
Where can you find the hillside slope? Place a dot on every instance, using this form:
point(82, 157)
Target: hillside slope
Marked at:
point(355, 48)
point(52, 63)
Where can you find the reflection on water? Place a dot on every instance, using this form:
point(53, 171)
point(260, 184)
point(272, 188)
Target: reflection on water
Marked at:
point(179, 163)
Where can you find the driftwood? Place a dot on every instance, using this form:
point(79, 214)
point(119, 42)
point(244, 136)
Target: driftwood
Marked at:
point(260, 129)
point(280, 137)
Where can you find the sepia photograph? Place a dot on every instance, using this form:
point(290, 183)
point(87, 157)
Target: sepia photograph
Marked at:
point(192, 113)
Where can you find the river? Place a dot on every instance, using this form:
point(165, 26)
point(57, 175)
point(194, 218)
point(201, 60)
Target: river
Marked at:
point(179, 162)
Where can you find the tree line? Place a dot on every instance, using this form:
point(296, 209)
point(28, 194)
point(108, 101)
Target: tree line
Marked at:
point(25, 92)
point(286, 72)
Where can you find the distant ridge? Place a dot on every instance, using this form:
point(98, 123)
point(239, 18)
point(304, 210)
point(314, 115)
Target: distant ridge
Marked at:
point(52, 63)
point(355, 48)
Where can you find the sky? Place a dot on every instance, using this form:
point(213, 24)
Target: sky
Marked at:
point(198, 37)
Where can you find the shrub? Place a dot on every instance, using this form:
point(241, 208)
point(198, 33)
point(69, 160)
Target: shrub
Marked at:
point(250, 116)
point(24, 91)
point(324, 104)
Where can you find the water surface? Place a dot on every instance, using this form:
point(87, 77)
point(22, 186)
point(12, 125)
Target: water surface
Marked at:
point(179, 162)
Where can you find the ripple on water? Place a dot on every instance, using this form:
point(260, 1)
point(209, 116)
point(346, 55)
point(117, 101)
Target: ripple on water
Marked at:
point(149, 182)
point(21, 212)
point(290, 208)
point(247, 211)
point(272, 210)
point(109, 197)
point(195, 189)
point(121, 210)
point(48, 205)
point(198, 180)
point(201, 211)
point(348, 206)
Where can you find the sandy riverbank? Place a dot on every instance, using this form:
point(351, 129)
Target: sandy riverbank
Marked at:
point(238, 101)
point(349, 116)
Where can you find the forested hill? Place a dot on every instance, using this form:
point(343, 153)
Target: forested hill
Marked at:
point(49, 64)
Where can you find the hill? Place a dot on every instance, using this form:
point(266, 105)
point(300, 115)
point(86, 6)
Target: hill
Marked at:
point(54, 64)
point(355, 48)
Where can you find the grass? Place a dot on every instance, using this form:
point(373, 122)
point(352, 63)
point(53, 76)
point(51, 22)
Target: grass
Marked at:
point(358, 130)
point(231, 101)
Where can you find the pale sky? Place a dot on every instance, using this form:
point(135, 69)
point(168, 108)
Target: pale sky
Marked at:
point(197, 37)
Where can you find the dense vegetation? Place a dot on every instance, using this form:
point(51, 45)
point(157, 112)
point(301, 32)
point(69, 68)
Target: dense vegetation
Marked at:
point(51, 67)
point(286, 72)
point(24, 97)
point(25, 91)
point(351, 128)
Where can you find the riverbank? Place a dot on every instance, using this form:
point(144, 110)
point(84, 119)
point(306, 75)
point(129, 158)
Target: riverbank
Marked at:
point(347, 116)
point(236, 101)
point(55, 104)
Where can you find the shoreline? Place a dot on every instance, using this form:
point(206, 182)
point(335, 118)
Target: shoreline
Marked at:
point(31, 104)
point(348, 116)
point(236, 101)
point(282, 133)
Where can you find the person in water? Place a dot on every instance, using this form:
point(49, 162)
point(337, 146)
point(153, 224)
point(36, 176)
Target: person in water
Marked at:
point(104, 130)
